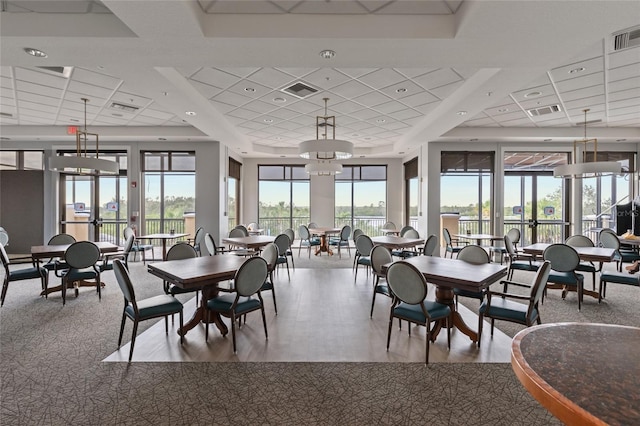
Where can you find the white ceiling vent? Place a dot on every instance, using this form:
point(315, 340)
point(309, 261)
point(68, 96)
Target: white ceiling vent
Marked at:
point(123, 107)
point(59, 71)
point(627, 39)
point(536, 112)
point(300, 90)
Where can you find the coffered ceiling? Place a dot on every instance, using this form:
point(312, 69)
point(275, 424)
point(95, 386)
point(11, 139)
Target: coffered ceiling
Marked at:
point(403, 72)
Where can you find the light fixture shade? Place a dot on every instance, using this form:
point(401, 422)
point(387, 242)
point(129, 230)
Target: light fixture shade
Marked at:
point(586, 170)
point(83, 165)
point(323, 168)
point(326, 149)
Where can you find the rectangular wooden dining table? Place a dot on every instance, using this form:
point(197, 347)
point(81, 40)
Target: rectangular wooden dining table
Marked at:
point(448, 274)
point(394, 242)
point(201, 272)
point(250, 242)
point(164, 237)
point(324, 233)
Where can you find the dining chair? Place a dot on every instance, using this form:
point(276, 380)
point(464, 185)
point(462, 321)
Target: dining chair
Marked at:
point(380, 255)
point(238, 232)
point(141, 310)
point(108, 258)
point(59, 239)
point(81, 260)
point(609, 239)
point(430, 245)
point(312, 225)
point(244, 230)
point(36, 271)
point(211, 245)
point(564, 261)
point(590, 267)
point(356, 233)
point(497, 305)
point(518, 261)
point(282, 242)
point(196, 241)
point(270, 255)
point(306, 240)
point(249, 279)
point(138, 247)
point(4, 238)
point(409, 288)
point(407, 252)
point(514, 236)
point(180, 251)
point(389, 225)
point(342, 240)
point(451, 245)
point(405, 228)
point(475, 255)
point(292, 237)
point(364, 245)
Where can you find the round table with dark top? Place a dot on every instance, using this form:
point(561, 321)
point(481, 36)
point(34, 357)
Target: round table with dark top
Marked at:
point(583, 373)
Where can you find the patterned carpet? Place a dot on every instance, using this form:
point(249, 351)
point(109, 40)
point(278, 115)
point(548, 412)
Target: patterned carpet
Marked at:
point(52, 374)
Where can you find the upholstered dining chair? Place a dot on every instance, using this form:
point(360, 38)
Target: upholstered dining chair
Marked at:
point(497, 305)
point(211, 245)
point(180, 251)
point(282, 241)
point(248, 281)
point(141, 310)
point(564, 261)
point(59, 239)
point(380, 255)
point(292, 237)
point(138, 247)
point(389, 225)
point(409, 288)
point(270, 255)
point(615, 277)
point(244, 230)
point(342, 240)
point(514, 236)
point(108, 258)
point(475, 255)
point(196, 241)
point(4, 237)
point(452, 247)
point(430, 245)
point(583, 241)
point(518, 261)
point(36, 271)
point(609, 239)
point(306, 240)
point(405, 228)
point(239, 232)
point(355, 234)
point(312, 225)
point(80, 259)
point(364, 245)
point(408, 251)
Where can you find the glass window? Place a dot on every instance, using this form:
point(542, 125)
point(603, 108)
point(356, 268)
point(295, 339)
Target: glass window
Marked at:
point(283, 198)
point(361, 198)
point(21, 160)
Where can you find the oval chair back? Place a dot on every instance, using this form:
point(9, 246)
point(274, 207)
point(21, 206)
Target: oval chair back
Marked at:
point(430, 245)
point(243, 229)
point(411, 233)
point(356, 233)
point(210, 244)
point(128, 231)
point(563, 258)
point(238, 233)
point(270, 255)
point(508, 245)
point(250, 276)
point(181, 251)
point(405, 229)
point(197, 240)
point(312, 225)
point(82, 254)
point(474, 254)
point(61, 239)
point(579, 241)
point(345, 233)
point(514, 235)
point(291, 234)
point(447, 237)
point(380, 255)
point(389, 225)
point(282, 242)
point(407, 283)
point(4, 238)
point(539, 283)
point(303, 231)
point(364, 245)
point(609, 239)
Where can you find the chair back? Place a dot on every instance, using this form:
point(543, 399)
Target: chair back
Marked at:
point(244, 230)
point(270, 255)
point(5, 260)
point(253, 226)
point(345, 233)
point(304, 232)
point(250, 276)
point(609, 239)
point(313, 225)
point(411, 233)
point(82, 254)
point(579, 241)
point(563, 258)
point(292, 235)
point(514, 235)
point(508, 245)
point(61, 239)
point(389, 225)
point(380, 255)
point(124, 281)
point(128, 245)
point(128, 231)
point(181, 251)
point(430, 245)
point(364, 245)
point(4, 238)
point(407, 283)
point(198, 237)
point(282, 242)
point(473, 254)
point(405, 229)
point(447, 237)
point(356, 233)
point(210, 244)
point(539, 283)
point(238, 233)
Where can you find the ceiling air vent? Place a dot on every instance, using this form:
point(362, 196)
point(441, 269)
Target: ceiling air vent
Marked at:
point(123, 107)
point(536, 112)
point(300, 90)
point(59, 71)
point(627, 39)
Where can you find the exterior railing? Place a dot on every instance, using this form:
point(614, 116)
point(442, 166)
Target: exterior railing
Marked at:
point(113, 231)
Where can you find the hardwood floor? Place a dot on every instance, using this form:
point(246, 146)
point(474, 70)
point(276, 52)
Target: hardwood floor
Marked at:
point(323, 316)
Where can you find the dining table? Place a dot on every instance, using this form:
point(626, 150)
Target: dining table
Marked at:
point(479, 237)
point(394, 242)
point(254, 242)
point(47, 251)
point(164, 237)
point(448, 274)
point(390, 231)
point(583, 373)
point(324, 233)
point(204, 273)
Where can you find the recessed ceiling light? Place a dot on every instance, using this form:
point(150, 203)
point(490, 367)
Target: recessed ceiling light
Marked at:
point(621, 140)
point(282, 156)
point(547, 140)
point(165, 93)
point(401, 152)
point(473, 140)
point(503, 110)
point(362, 156)
point(191, 113)
point(401, 90)
point(35, 52)
point(533, 94)
point(575, 70)
point(249, 89)
point(328, 54)
point(268, 120)
point(279, 100)
point(462, 112)
point(380, 120)
point(162, 139)
point(243, 152)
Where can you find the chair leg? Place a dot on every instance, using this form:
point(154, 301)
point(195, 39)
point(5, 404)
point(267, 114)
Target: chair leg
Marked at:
point(181, 324)
point(264, 323)
point(492, 324)
point(373, 301)
point(389, 332)
point(166, 325)
point(124, 318)
point(64, 291)
point(426, 358)
point(233, 331)
point(480, 321)
point(5, 286)
point(206, 324)
point(133, 338)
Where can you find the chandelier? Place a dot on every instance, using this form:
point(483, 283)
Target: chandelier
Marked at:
point(81, 163)
point(325, 150)
point(585, 168)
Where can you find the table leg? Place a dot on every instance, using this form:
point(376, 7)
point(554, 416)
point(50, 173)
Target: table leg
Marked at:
point(445, 296)
point(208, 292)
point(70, 286)
point(164, 249)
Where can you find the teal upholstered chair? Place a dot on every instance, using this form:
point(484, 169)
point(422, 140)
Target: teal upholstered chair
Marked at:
point(609, 239)
point(514, 236)
point(81, 259)
point(292, 237)
point(141, 310)
point(180, 251)
point(240, 232)
point(270, 255)
point(518, 261)
point(211, 245)
point(108, 258)
point(404, 230)
point(53, 263)
point(36, 271)
point(244, 230)
point(564, 261)
point(380, 255)
point(497, 305)
point(430, 245)
point(247, 298)
point(475, 255)
point(197, 240)
point(364, 245)
point(342, 240)
point(138, 247)
point(306, 240)
point(615, 277)
point(389, 226)
point(583, 241)
point(452, 246)
point(356, 233)
point(409, 289)
point(282, 241)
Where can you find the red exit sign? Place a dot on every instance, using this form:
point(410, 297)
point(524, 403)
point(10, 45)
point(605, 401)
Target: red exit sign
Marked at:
point(72, 130)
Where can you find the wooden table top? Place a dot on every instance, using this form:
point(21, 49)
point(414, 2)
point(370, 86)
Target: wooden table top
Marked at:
point(390, 231)
point(324, 230)
point(393, 241)
point(454, 273)
point(252, 241)
point(479, 236)
point(583, 373)
point(189, 273)
point(47, 251)
point(162, 236)
point(588, 254)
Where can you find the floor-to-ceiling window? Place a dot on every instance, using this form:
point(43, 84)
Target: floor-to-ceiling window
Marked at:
point(466, 188)
point(233, 193)
point(361, 198)
point(169, 190)
point(411, 186)
point(283, 198)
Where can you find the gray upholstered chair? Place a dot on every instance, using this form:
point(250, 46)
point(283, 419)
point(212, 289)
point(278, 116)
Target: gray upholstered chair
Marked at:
point(380, 255)
point(240, 232)
point(283, 243)
point(615, 277)
point(292, 237)
point(564, 261)
point(4, 237)
point(389, 226)
point(408, 251)
point(108, 258)
point(59, 239)
point(81, 260)
point(364, 245)
point(152, 307)
point(475, 255)
point(409, 288)
point(583, 241)
point(404, 229)
point(518, 261)
point(342, 240)
point(181, 251)
point(430, 245)
point(270, 255)
point(138, 247)
point(609, 239)
point(498, 306)
point(211, 245)
point(514, 235)
point(244, 230)
point(196, 241)
point(451, 245)
point(247, 298)
point(36, 271)
point(306, 240)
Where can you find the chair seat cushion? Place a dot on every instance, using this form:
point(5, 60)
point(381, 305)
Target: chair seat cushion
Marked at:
point(310, 243)
point(155, 306)
point(620, 278)
point(567, 278)
point(468, 293)
point(223, 303)
point(174, 289)
point(81, 274)
point(27, 274)
point(523, 265)
point(382, 289)
point(507, 309)
point(50, 266)
point(364, 260)
point(268, 285)
point(454, 249)
point(141, 247)
point(414, 313)
point(586, 267)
